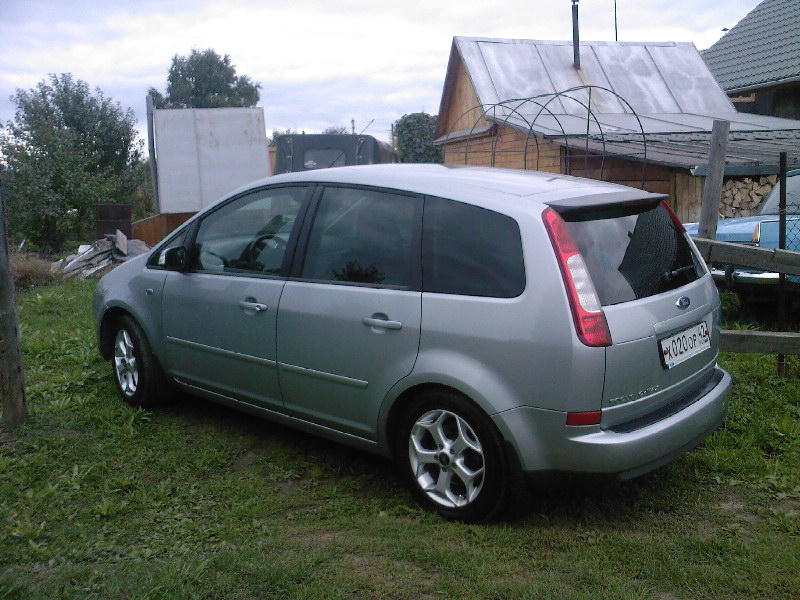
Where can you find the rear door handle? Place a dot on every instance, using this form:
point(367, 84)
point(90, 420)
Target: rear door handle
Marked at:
point(381, 323)
point(256, 306)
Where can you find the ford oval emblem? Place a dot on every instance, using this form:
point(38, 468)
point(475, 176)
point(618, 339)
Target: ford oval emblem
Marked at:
point(683, 302)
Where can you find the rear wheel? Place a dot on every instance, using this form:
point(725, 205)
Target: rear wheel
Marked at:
point(137, 373)
point(452, 457)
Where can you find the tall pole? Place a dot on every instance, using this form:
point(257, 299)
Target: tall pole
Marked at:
point(12, 378)
point(782, 245)
point(616, 33)
point(151, 149)
point(712, 191)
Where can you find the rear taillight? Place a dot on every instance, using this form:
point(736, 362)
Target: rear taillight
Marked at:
point(590, 322)
point(591, 417)
point(673, 216)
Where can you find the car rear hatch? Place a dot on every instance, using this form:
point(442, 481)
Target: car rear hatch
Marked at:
point(658, 301)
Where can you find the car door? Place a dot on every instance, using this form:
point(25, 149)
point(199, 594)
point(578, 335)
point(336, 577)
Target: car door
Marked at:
point(349, 318)
point(219, 316)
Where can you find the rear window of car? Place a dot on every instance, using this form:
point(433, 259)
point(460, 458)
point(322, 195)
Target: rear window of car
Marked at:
point(323, 158)
point(470, 251)
point(632, 251)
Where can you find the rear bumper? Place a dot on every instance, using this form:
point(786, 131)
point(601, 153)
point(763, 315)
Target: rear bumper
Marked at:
point(544, 442)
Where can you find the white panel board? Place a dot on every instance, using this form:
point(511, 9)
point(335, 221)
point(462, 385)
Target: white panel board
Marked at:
point(205, 153)
point(176, 152)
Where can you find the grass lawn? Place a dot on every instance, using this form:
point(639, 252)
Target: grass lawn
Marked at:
point(98, 500)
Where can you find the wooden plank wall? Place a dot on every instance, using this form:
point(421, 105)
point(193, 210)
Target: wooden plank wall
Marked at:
point(509, 152)
point(685, 190)
point(462, 100)
point(154, 229)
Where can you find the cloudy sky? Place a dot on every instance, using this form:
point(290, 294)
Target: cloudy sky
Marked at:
point(320, 63)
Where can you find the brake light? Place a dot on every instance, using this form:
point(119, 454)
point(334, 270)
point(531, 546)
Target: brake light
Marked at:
point(673, 216)
point(590, 322)
point(591, 417)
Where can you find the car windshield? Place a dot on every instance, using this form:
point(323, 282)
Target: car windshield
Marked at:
point(770, 206)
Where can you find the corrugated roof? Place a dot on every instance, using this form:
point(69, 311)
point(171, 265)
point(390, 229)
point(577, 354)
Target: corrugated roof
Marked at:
point(747, 153)
point(761, 49)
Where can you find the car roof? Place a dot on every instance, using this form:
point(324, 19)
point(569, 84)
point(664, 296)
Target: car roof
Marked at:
point(507, 190)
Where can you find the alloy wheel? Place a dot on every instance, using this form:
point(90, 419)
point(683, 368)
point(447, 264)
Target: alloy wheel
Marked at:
point(446, 458)
point(126, 365)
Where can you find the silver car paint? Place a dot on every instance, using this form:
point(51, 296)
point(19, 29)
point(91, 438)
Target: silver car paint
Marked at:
point(518, 359)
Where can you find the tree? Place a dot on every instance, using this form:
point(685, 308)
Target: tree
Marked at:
point(336, 130)
point(415, 134)
point(66, 149)
point(271, 141)
point(204, 79)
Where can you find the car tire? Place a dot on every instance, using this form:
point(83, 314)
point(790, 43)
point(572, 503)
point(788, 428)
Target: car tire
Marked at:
point(137, 374)
point(452, 458)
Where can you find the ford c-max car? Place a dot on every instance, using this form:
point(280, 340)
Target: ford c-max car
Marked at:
point(471, 323)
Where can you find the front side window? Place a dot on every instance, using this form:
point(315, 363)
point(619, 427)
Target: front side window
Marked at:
point(250, 234)
point(470, 251)
point(363, 236)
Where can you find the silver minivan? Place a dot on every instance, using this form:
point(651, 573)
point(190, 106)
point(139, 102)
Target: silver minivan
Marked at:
point(474, 324)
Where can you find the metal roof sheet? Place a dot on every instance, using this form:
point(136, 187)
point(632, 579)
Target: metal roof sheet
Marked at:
point(666, 77)
point(761, 49)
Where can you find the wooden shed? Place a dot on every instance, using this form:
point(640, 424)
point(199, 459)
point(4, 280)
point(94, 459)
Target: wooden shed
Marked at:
point(634, 113)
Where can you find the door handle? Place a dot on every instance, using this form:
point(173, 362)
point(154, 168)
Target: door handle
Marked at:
point(256, 306)
point(381, 323)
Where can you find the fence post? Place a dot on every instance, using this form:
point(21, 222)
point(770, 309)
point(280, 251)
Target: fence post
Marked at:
point(12, 380)
point(782, 245)
point(712, 191)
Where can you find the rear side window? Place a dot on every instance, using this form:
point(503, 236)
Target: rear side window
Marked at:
point(470, 251)
point(364, 236)
point(632, 251)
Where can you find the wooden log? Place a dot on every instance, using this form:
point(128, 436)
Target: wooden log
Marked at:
point(12, 378)
point(712, 192)
point(759, 342)
point(765, 259)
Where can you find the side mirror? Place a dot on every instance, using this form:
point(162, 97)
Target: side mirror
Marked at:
point(175, 259)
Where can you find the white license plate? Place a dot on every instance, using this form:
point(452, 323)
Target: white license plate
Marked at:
point(685, 344)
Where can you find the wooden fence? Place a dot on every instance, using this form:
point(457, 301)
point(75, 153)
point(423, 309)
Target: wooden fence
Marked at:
point(766, 259)
point(154, 229)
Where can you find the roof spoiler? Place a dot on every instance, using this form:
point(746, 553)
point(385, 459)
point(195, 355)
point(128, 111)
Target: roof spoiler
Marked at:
point(569, 206)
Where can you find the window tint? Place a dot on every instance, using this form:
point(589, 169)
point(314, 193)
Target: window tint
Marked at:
point(249, 235)
point(633, 253)
point(363, 236)
point(471, 251)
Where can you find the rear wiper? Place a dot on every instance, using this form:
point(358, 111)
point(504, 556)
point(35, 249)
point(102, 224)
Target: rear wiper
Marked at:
point(670, 275)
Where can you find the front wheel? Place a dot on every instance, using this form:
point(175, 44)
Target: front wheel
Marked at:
point(137, 373)
point(453, 458)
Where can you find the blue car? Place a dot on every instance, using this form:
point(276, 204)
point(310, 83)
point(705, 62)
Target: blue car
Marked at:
point(760, 230)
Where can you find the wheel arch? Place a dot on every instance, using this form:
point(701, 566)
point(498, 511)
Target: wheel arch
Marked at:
point(106, 332)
